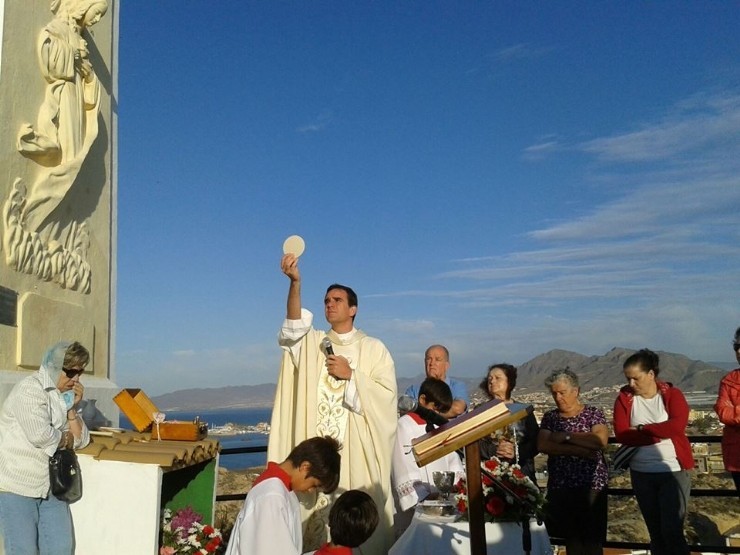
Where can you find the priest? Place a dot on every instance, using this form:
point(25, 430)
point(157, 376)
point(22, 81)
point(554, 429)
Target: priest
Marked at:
point(340, 383)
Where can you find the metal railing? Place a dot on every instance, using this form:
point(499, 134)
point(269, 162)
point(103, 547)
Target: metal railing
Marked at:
point(611, 491)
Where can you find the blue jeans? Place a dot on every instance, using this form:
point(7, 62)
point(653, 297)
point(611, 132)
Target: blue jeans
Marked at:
point(35, 526)
point(663, 498)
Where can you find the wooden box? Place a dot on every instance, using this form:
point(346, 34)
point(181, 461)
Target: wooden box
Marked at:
point(137, 407)
point(140, 409)
point(182, 431)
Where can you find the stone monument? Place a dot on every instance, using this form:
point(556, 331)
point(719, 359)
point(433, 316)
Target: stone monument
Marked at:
point(58, 88)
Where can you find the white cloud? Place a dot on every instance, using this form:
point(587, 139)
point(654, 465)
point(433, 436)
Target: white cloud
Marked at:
point(651, 266)
point(692, 124)
point(521, 51)
point(319, 123)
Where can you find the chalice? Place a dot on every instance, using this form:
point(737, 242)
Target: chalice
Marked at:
point(445, 481)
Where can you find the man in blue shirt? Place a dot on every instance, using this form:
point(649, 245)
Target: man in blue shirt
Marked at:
point(436, 364)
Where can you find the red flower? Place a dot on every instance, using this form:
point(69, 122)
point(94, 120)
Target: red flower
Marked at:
point(208, 530)
point(461, 506)
point(491, 464)
point(495, 505)
point(517, 473)
point(212, 545)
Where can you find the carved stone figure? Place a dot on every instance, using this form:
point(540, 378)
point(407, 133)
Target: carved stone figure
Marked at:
point(66, 128)
point(68, 118)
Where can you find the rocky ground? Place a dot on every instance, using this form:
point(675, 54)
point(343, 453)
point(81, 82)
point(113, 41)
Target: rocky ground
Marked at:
point(709, 517)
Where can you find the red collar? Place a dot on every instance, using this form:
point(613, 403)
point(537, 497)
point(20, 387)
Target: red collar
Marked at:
point(416, 418)
point(274, 471)
point(328, 549)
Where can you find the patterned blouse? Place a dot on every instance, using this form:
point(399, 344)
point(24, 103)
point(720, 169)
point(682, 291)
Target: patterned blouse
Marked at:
point(569, 471)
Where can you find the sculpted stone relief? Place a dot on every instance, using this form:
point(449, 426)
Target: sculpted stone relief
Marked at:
point(67, 125)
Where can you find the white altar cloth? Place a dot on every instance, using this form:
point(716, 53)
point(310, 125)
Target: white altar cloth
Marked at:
point(430, 536)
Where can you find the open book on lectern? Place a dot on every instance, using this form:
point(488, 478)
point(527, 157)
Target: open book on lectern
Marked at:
point(466, 429)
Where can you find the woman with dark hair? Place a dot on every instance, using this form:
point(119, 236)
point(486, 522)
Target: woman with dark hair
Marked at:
point(574, 436)
point(516, 443)
point(727, 408)
point(652, 415)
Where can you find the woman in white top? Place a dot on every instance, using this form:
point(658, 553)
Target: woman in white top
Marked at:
point(652, 415)
point(39, 417)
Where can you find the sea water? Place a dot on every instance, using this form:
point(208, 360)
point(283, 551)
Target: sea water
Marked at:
point(244, 417)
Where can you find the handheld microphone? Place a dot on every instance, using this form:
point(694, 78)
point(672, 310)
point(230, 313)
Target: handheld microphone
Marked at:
point(326, 344)
point(409, 404)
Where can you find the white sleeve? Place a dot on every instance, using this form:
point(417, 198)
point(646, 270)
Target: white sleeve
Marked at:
point(352, 396)
point(33, 415)
point(406, 475)
point(292, 331)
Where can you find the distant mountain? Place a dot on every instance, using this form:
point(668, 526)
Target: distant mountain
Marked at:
point(232, 397)
point(593, 371)
point(606, 370)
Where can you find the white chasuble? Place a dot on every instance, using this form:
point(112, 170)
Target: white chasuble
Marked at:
point(360, 413)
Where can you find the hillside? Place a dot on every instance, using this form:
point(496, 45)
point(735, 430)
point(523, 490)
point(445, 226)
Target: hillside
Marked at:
point(593, 371)
point(606, 370)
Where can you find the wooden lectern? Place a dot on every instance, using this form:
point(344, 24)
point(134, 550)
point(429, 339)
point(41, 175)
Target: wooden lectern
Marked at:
point(465, 431)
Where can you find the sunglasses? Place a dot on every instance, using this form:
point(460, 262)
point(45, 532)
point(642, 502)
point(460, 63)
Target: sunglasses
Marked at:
point(72, 372)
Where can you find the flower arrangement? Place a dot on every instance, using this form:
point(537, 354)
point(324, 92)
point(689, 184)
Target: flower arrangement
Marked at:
point(509, 497)
point(184, 534)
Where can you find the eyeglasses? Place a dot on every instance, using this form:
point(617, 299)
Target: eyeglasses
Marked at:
point(72, 372)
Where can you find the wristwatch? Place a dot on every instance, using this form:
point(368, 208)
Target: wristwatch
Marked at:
point(639, 427)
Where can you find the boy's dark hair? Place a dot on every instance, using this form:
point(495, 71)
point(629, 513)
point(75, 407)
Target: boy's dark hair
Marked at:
point(353, 518)
point(437, 392)
point(322, 453)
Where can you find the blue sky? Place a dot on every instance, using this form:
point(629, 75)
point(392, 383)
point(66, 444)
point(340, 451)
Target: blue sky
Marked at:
point(504, 178)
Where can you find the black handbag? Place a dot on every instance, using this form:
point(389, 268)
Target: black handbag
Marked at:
point(64, 475)
point(622, 457)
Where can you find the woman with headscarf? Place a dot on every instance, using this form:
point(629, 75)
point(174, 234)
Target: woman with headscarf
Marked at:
point(652, 415)
point(39, 417)
point(574, 435)
point(517, 443)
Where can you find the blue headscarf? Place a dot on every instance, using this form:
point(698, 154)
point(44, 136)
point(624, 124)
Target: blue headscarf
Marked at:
point(53, 360)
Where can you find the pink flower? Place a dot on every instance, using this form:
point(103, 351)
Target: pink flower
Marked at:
point(167, 550)
point(184, 518)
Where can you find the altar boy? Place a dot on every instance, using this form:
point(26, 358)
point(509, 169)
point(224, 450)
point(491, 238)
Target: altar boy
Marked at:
point(269, 522)
point(352, 520)
point(412, 484)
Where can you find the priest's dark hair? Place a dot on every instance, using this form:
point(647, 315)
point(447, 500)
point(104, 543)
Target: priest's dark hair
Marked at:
point(351, 295)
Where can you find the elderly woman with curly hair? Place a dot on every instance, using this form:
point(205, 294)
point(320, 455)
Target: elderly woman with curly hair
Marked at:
point(574, 435)
point(39, 417)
